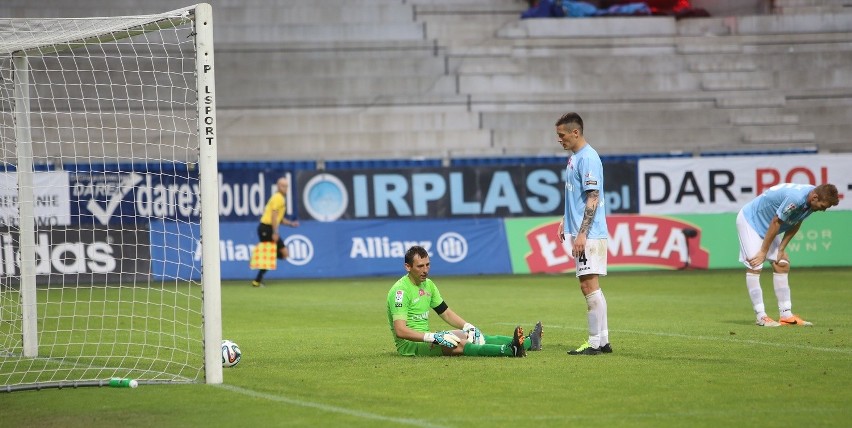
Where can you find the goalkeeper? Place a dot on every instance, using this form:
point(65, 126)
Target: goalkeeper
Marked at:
point(409, 302)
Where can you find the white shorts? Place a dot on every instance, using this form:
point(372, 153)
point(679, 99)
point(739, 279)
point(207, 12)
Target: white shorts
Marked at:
point(594, 261)
point(750, 243)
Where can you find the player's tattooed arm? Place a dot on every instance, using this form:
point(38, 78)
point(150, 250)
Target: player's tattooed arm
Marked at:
point(589, 213)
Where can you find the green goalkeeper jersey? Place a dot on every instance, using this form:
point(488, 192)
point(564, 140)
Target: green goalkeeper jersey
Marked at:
point(412, 303)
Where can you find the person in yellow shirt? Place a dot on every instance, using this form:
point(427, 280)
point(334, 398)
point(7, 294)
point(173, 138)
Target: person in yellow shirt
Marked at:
point(273, 217)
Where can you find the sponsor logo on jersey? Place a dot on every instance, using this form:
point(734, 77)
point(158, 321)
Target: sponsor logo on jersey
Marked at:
point(591, 180)
point(790, 208)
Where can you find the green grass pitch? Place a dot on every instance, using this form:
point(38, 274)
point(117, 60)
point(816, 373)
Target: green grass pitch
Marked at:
point(687, 353)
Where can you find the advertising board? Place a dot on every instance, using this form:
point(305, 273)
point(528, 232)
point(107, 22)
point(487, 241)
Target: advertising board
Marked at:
point(704, 185)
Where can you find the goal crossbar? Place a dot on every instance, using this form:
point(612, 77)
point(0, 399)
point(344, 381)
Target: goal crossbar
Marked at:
point(90, 31)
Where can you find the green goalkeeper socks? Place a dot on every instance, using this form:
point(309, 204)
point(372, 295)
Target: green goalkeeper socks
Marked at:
point(487, 350)
point(505, 340)
point(494, 346)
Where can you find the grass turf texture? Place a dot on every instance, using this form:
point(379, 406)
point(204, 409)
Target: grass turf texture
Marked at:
point(687, 353)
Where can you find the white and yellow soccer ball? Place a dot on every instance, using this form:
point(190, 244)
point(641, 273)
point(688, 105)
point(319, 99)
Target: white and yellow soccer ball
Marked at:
point(231, 353)
point(475, 336)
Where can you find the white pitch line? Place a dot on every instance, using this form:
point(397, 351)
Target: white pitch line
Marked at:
point(645, 415)
point(712, 338)
point(328, 408)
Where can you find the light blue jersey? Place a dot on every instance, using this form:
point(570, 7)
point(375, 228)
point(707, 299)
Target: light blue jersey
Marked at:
point(584, 173)
point(788, 201)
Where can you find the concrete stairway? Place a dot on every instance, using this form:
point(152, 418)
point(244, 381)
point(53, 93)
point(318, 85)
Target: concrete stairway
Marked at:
point(360, 79)
point(655, 76)
point(787, 7)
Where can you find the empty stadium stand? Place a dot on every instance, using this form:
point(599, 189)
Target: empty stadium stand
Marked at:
point(448, 79)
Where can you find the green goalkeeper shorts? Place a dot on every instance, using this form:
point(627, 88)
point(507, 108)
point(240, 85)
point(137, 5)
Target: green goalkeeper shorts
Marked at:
point(419, 349)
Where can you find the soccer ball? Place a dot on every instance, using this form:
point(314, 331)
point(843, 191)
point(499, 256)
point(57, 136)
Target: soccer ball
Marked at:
point(231, 353)
point(475, 336)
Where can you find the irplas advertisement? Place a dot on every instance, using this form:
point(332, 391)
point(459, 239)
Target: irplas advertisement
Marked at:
point(697, 241)
point(459, 192)
point(724, 184)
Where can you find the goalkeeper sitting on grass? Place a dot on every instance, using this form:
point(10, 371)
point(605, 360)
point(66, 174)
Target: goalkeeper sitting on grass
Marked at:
point(409, 302)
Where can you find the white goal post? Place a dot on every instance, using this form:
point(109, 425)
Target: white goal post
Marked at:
point(109, 227)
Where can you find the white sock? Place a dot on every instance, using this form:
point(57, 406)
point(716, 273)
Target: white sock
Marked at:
point(756, 294)
point(782, 292)
point(603, 321)
point(593, 303)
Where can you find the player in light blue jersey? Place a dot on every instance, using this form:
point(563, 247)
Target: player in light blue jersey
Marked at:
point(760, 223)
point(585, 222)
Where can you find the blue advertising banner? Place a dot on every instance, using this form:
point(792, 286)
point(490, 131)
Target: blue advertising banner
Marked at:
point(116, 197)
point(351, 248)
point(456, 192)
point(175, 250)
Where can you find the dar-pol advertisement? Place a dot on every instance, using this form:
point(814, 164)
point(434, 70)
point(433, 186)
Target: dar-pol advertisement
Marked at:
point(725, 184)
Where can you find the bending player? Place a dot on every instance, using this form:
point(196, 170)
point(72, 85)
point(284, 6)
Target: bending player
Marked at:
point(780, 209)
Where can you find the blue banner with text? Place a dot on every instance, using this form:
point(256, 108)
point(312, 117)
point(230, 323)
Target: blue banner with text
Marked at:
point(345, 248)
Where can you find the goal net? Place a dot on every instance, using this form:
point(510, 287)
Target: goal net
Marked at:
point(108, 184)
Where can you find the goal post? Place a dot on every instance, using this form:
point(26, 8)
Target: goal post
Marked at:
point(212, 308)
point(109, 234)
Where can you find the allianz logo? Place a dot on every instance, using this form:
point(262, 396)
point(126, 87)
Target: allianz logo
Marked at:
point(451, 247)
point(300, 248)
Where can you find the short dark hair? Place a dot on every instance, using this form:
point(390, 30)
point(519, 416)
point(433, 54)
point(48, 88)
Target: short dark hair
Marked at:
point(415, 251)
point(571, 119)
point(827, 193)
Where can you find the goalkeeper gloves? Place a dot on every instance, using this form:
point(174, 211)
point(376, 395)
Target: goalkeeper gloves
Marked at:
point(443, 338)
point(473, 333)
